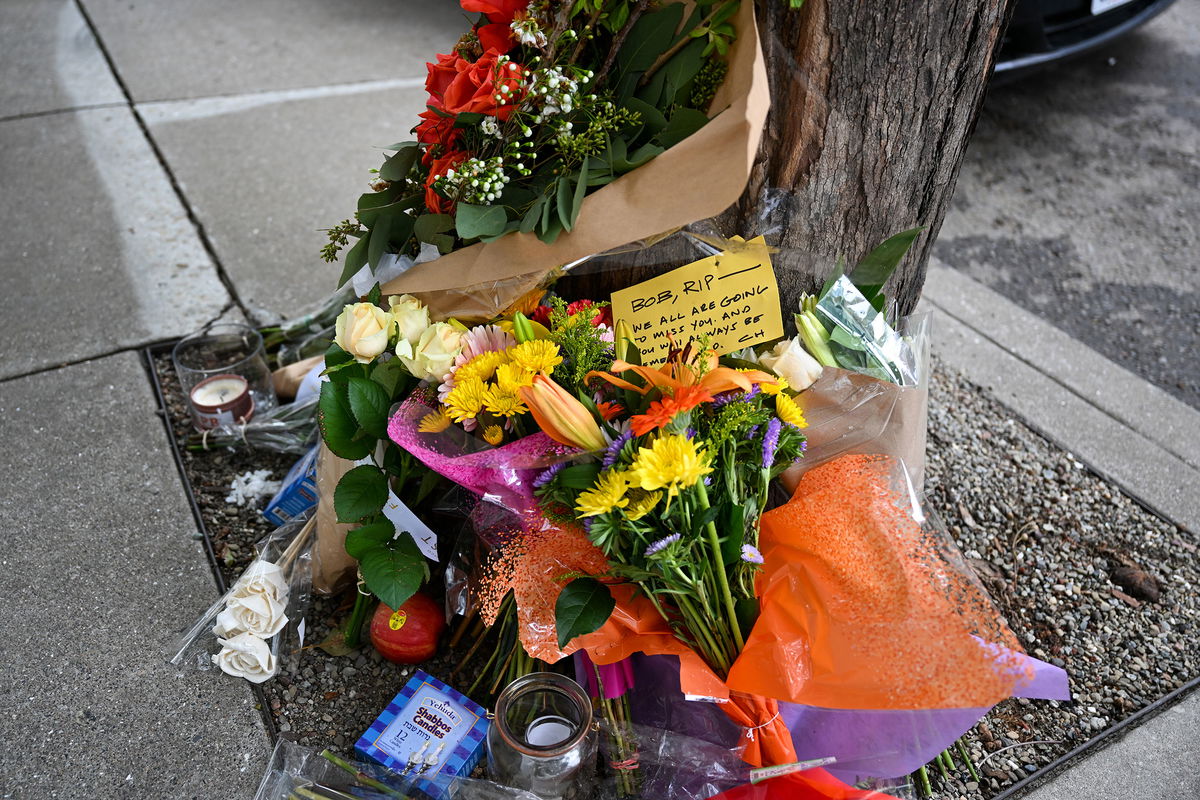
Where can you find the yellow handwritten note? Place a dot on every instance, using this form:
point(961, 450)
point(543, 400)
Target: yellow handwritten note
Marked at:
point(732, 298)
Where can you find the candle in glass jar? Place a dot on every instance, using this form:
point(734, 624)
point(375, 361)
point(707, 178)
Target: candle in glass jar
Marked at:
point(221, 400)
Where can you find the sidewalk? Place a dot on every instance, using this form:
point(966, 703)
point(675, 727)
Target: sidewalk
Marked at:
point(168, 163)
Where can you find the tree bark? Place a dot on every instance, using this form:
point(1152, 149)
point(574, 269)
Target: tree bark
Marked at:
point(872, 107)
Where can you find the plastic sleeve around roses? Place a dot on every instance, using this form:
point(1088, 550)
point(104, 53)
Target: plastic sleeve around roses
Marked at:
point(289, 428)
point(289, 543)
point(294, 766)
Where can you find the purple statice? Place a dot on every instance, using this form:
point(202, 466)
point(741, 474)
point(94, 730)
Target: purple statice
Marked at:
point(547, 475)
point(661, 544)
point(751, 555)
point(771, 441)
point(690, 433)
point(613, 451)
point(725, 398)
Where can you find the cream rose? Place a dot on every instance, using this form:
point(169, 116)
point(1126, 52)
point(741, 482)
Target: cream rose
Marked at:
point(434, 352)
point(363, 330)
point(790, 361)
point(261, 578)
point(411, 315)
point(246, 656)
point(259, 614)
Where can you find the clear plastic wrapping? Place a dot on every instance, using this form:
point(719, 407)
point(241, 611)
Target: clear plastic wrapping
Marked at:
point(261, 619)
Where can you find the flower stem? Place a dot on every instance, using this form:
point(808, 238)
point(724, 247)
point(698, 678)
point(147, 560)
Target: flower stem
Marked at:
point(362, 604)
point(714, 545)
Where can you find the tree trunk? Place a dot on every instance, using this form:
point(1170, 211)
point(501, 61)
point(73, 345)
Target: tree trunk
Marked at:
point(872, 107)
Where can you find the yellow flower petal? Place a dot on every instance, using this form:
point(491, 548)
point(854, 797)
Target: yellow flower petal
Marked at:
point(606, 494)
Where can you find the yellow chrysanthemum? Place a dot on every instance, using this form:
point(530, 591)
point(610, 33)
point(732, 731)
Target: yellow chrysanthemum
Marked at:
point(482, 366)
point(774, 388)
point(510, 377)
point(502, 403)
point(493, 435)
point(671, 463)
point(536, 355)
point(788, 411)
point(641, 503)
point(434, 421)
point(466, 399)
point(607, 493)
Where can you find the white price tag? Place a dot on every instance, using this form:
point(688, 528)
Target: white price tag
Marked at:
point(405, 520)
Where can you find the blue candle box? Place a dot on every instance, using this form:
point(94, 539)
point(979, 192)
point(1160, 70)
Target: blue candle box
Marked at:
point(298, 494)
point(435, 721)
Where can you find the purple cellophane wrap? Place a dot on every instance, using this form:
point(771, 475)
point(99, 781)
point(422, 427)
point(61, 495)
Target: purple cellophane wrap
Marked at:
point(877, 744)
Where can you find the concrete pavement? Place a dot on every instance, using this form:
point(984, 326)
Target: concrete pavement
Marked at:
point(166, 163)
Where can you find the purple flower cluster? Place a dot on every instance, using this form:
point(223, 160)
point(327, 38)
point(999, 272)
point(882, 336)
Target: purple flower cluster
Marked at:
point(771, 441)
point(724, 398)
point(613, 451)
point(547, 475)
point(661, 544)
point(751, 555)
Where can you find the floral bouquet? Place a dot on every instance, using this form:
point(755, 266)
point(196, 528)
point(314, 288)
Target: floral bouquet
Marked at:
point(551, 131)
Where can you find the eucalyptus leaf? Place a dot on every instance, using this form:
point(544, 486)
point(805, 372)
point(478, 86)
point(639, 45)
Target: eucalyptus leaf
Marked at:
point(684, 122)
point(473, 222)
point(337, 423)
point(582, 607)
point(380, 235)
point(654, 119)
point(427, 226)
point(581, 186)
point(397, 167)
point(355, 258)
point(563, 196)
point(393, 573)
point(361, 493)
point(370, 403)
point(650, 36)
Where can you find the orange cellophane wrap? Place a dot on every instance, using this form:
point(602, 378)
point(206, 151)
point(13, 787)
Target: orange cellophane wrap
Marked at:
point(862, 607)
point(536, 567)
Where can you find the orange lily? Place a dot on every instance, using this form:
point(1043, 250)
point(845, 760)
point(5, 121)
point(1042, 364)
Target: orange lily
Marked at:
point(677, 374)
point(563, 418)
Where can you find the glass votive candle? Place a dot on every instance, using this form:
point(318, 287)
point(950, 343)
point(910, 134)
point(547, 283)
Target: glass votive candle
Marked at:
point(223, 372)
point(541, 739)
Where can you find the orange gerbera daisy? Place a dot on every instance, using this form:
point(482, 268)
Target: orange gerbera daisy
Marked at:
point(684, 370)
point(661, 412)
point(609, 410)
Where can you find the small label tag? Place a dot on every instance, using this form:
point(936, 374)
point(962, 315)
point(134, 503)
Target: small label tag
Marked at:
point(300, 632)
point(397, 620)
point(763, 773)
point(405, 520)
point(732, 298)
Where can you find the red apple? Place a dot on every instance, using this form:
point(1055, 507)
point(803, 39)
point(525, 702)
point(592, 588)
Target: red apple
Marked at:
point(409, 634)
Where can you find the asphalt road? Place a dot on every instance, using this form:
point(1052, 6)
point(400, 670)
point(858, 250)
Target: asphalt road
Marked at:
point(1080, 200)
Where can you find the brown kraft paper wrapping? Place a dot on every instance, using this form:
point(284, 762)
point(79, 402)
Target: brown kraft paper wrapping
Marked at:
point(332, 566)
point(287, 379)
point(698, 178)
point(848, 412)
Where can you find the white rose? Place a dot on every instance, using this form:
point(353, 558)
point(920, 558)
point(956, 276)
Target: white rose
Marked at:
point(246, 656)
point(411, 315)
point(261, 577)
point(259, 614)
point(790, 361)
point(363, 331)
point(434, 353)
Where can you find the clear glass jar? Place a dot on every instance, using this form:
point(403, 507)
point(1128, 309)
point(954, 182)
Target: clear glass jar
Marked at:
point(542, 739)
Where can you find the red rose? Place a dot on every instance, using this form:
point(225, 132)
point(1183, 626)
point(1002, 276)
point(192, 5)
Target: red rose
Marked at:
point(442, 73)
point(476, 87)
point(603, 316)
point(497, 36)
point(434, 201)
point(496, 10)
point(541, 315)
point(435, 129)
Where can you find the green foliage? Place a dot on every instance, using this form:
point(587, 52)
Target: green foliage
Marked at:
point(582, 607)
point(361, 493)
point(394, 571)
point(579, 342)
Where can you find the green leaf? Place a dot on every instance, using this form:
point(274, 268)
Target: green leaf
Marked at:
point(370, 403)
point(380, 235)
point(397, 167)
point(683, 124)
point(361, 540)
point(393, 573)
point(735, 528)
point(582, 607)
point(654, 119)
point(375, 295)
point(473, 222)
point(335, 356)
point(428, 226)
point(649, 37)
point(467, 119)
point(578, 476)
point(398, 146)
point(337, 424)
point(361, 493)
point(581, 186)
point(839, 269)
point(877, 266)
point(389, 375)
point(638, 157)
point(564, 195)
point(533, 216)
point(355, 258)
